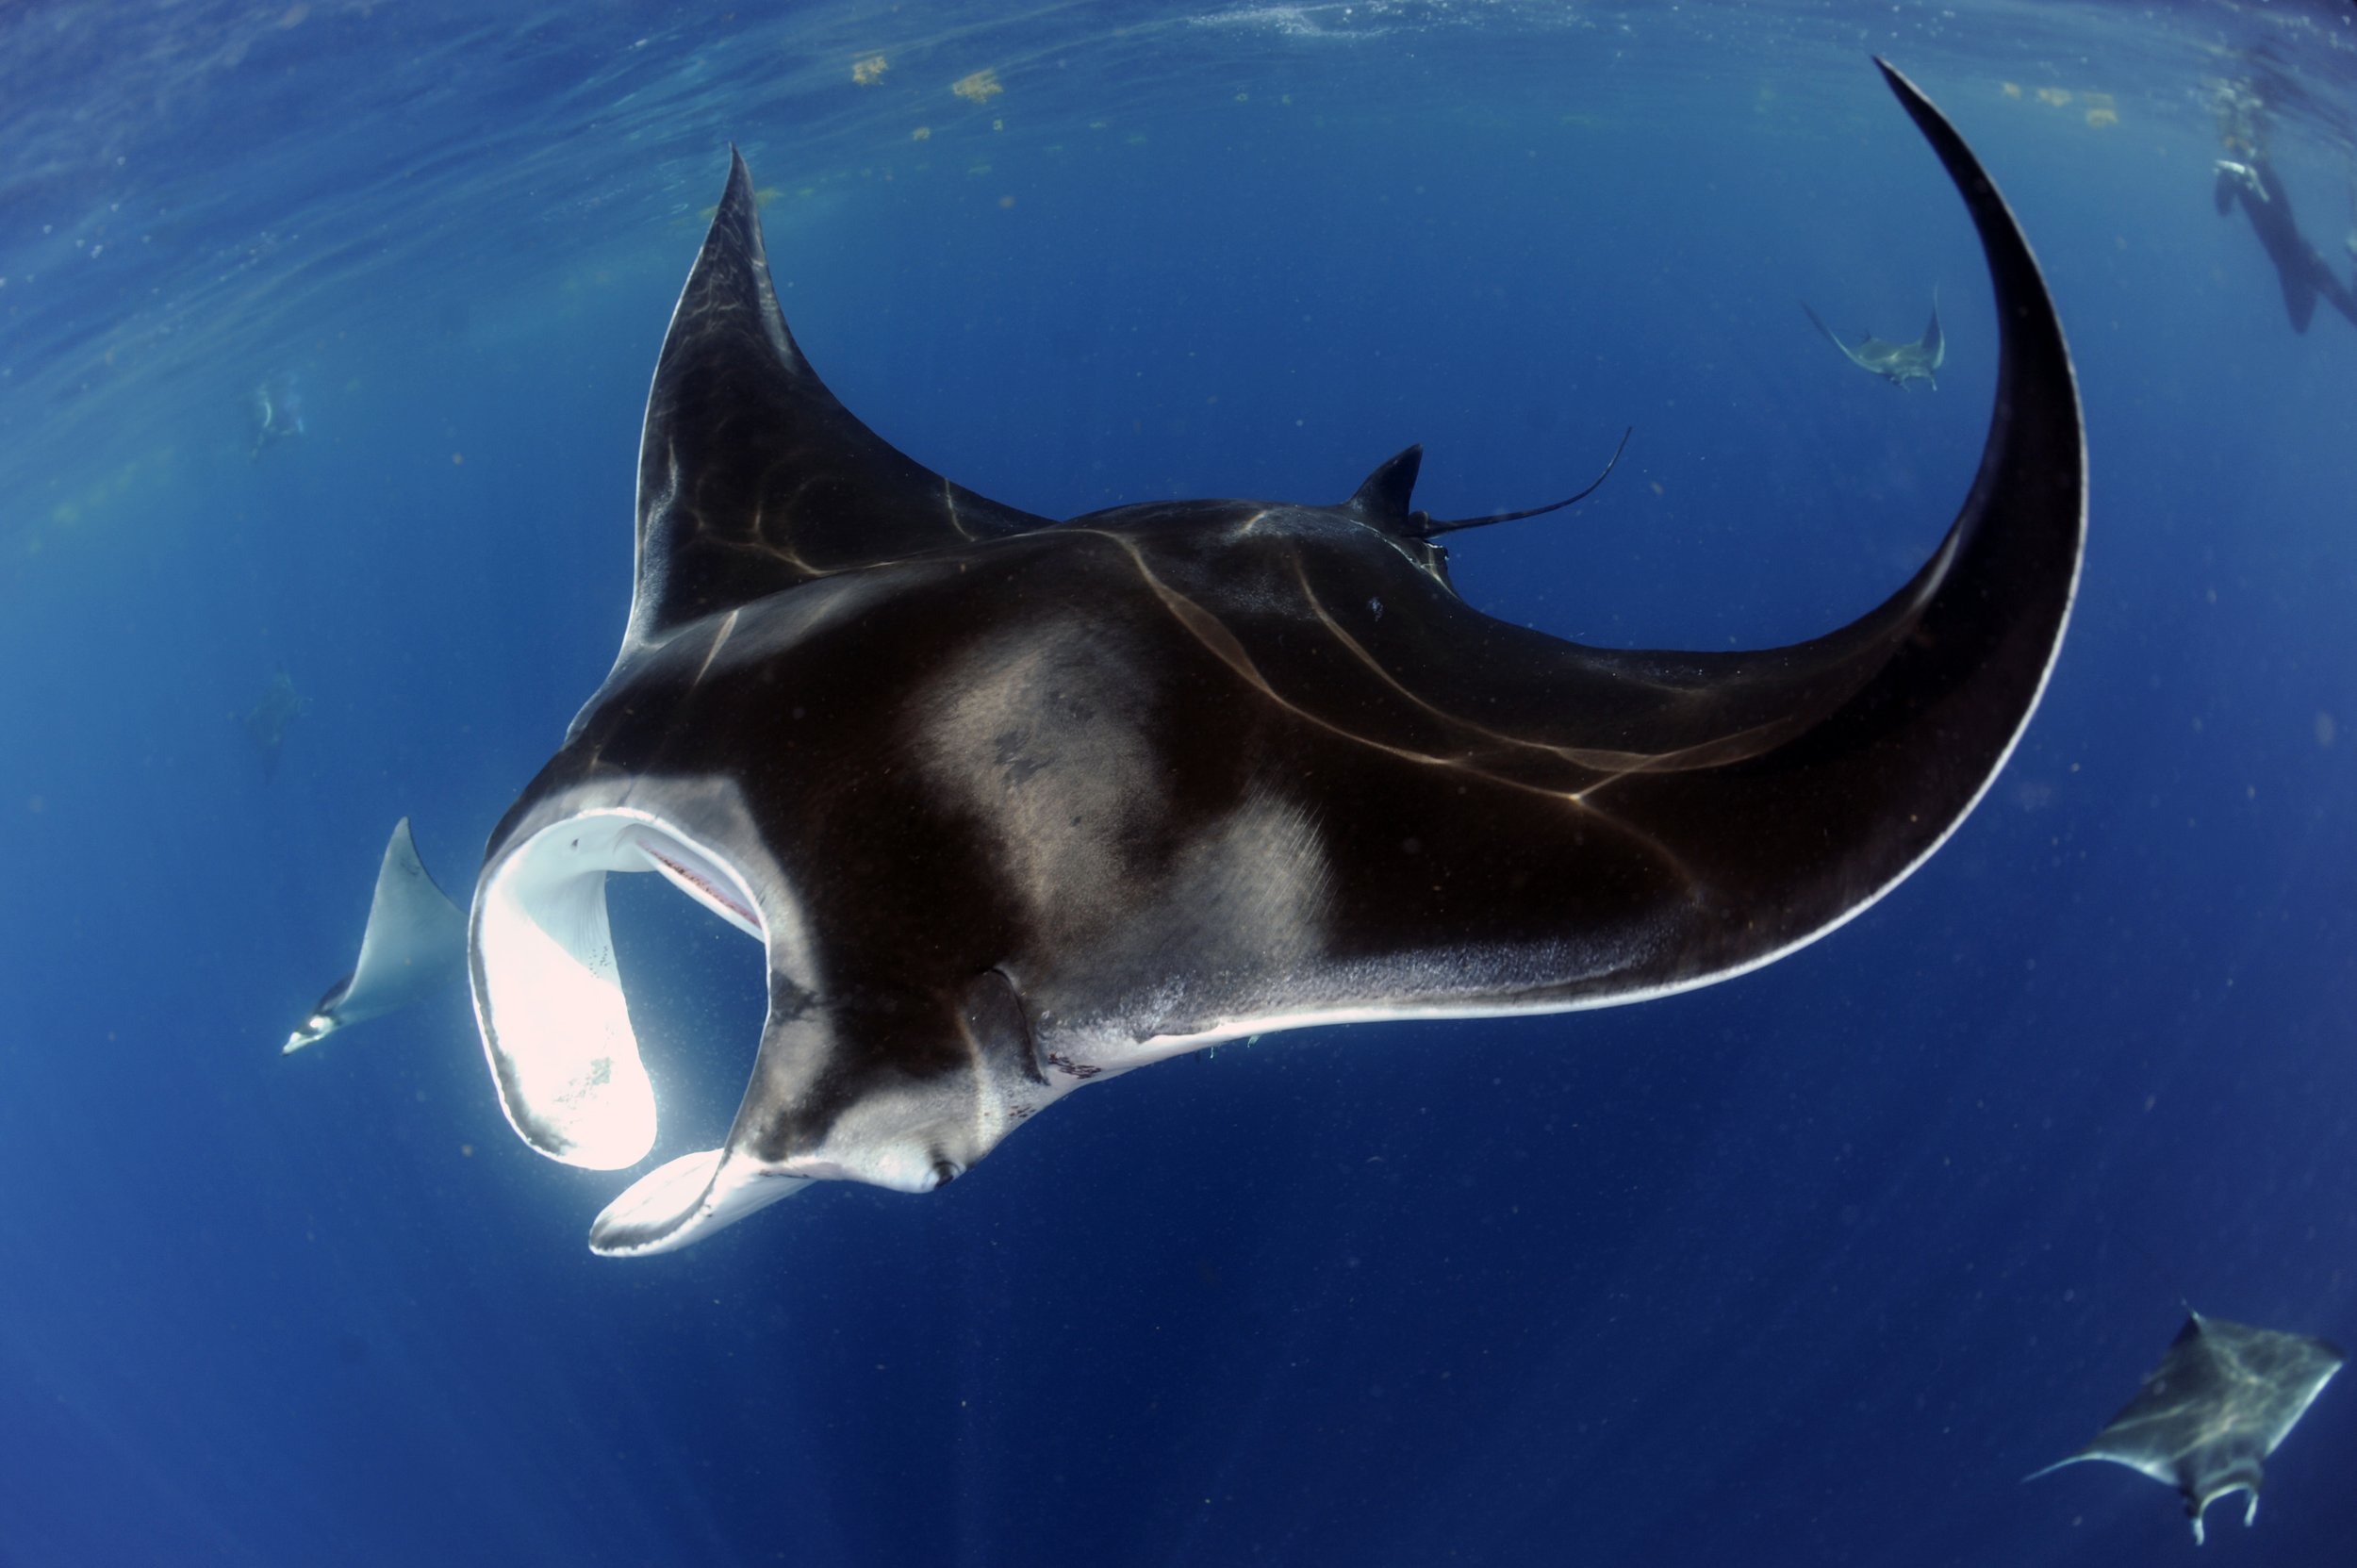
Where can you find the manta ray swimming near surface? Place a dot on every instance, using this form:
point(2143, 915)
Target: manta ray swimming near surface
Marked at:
point(2224, 1396)
point(1897, 363)
point(1015, 806)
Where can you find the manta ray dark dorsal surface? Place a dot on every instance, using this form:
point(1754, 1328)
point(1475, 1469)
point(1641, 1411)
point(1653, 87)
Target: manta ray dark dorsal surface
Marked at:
point(1013, 806)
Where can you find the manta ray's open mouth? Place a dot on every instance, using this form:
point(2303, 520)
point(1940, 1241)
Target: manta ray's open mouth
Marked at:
point(549, 992)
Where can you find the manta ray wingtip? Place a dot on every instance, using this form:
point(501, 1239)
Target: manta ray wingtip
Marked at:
point(415, 942)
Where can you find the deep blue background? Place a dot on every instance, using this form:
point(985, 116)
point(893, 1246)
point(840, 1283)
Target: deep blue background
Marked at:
point(1808, 1269)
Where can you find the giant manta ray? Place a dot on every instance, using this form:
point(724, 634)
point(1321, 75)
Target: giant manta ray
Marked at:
point(1012, 805)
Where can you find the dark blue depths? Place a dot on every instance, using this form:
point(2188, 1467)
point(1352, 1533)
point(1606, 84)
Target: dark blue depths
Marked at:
point(1805, 1268)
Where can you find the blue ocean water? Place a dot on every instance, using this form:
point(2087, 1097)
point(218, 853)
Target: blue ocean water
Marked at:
point(1809, 1267)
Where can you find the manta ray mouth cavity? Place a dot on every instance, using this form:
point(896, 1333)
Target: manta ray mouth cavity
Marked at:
point(549, 991)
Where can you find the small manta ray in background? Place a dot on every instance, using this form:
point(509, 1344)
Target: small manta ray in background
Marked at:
point(273, 413)
point(1015, 805)
point(2220, 1401)
point(415, 943)
point(266, 721)
point(1897, 363)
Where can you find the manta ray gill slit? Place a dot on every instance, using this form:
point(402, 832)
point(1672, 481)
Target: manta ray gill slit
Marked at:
point(718, 890)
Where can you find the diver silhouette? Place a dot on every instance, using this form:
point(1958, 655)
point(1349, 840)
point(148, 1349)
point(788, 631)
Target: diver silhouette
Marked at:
point(2299, 266)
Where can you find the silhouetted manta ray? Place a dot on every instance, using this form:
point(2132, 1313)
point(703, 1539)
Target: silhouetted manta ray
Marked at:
point(1014, 805)
point(2220, 1401)
point(415, 943)
point(1897, 363)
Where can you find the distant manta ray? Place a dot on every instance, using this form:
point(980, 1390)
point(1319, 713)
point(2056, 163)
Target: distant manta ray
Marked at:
point(414, 943)
point(2222, 1399)
point(266, 721)
point(1015, 806)
point(1897, 363)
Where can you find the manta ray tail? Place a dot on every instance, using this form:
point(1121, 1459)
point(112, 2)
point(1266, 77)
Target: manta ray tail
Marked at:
point(1424, 527)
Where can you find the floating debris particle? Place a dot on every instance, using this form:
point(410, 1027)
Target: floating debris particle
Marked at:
point(869, 70)
point(2102, 110)
point(979, 88)
point(2054, 95)
point(922, 133)
point(2326, 729)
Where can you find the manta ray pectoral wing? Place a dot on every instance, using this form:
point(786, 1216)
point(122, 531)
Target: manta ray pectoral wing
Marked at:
point(415, 944)
point(1831, 336)
point(1508, 821)
point(752, 477)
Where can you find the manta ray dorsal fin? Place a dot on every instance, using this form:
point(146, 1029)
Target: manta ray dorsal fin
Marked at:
point(752, 478)
point(1381, 501)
